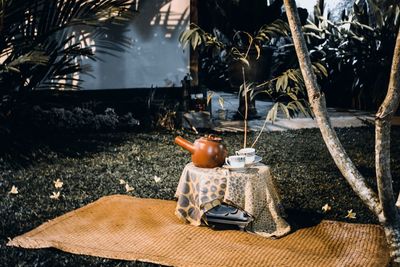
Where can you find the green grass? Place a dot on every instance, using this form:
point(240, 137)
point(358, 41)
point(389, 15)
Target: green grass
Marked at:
point(91, 165)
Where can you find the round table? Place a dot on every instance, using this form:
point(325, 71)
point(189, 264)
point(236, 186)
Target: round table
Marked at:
point(252, 189)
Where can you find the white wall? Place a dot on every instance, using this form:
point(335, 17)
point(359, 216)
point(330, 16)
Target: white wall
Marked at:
point(333, 6)
point(309, 4)
point(155, 57)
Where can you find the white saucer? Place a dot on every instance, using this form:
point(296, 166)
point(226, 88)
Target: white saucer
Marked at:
point(232, 168)
point(257, 159)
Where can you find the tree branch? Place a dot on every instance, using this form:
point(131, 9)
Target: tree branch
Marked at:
point(382, 140)
point(317, 101)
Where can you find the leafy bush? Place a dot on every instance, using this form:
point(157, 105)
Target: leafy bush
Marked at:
point(79, 120)
point(357, 51)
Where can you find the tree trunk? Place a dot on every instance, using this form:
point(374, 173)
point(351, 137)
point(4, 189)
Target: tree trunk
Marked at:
point(392, 234)
point(384, 206)
point(318, 104)
point(382, 157)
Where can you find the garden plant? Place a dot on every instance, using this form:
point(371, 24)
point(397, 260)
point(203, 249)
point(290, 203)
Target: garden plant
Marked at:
point(361, 42)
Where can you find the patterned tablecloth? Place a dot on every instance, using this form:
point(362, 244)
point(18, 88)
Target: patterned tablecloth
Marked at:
point(253, 190)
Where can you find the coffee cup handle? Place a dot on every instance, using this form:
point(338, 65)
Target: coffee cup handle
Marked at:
point(227, 161)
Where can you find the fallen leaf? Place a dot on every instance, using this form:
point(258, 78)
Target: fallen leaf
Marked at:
point(128, 188)
point(14, 190)
point(55, 195)
point(58, 183)
point(156, 179)
point(122, 181)
point(350, 214)
point(326, 208)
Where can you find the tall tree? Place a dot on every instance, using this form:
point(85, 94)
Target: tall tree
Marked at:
point(382, 204)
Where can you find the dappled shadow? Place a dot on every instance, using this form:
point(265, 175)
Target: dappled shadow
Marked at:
point(164, 14)
point(151, 55)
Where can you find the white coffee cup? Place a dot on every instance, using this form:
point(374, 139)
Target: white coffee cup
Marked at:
point(236, 161)
point(249, 153)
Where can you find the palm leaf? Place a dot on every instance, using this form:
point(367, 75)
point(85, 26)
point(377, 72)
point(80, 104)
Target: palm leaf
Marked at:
point(54, 29)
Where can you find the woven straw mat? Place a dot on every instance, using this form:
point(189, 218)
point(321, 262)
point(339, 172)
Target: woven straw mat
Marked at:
point(128, 228)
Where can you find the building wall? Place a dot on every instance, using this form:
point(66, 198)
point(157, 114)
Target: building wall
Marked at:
point(334, 6)
point(154, 57)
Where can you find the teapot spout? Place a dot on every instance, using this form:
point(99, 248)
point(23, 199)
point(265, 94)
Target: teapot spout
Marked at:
point(185, 144)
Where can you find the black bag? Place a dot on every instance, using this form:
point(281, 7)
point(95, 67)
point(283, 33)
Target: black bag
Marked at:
point(225, 216)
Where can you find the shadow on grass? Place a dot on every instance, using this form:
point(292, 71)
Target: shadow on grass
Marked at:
point(24, 149)
point(302, 218)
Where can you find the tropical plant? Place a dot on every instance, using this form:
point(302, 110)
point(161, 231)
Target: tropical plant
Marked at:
point(286, 89)
point(42, 42)
point(223, 56)
point(375, 28)
point(234, 54)
point(288, 92)
point(361, 43)
point(381, 202)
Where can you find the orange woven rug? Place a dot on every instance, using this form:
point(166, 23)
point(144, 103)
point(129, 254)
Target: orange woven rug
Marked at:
point(128, 228)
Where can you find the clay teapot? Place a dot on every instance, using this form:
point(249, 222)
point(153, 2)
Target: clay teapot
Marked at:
point(207, 152)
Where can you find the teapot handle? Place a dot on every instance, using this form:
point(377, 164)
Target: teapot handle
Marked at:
point(213, 137)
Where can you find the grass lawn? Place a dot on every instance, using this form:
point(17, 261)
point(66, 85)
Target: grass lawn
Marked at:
point(90, 166)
